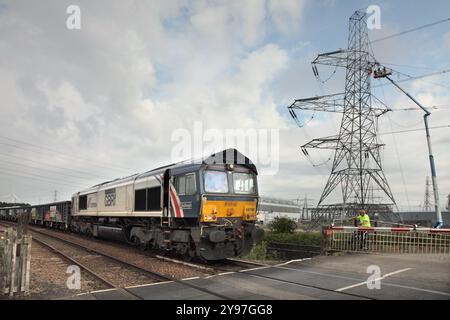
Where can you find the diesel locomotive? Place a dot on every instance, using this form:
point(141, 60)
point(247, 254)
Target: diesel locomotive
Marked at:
point(205, 208)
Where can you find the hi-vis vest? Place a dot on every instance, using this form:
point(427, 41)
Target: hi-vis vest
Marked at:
point(364, 220)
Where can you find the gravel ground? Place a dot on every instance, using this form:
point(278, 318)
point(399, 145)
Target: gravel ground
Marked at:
point(48, 270)
point(114, 272)
point(48, 276)
point(133, 255)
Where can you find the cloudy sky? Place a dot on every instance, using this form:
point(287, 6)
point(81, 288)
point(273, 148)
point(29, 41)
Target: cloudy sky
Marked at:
point(83, 106)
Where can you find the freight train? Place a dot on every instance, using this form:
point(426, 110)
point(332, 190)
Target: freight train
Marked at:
point(204, 208)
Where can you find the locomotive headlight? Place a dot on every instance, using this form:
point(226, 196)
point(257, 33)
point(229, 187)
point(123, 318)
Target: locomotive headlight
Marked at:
point(250, 213)
point(209, 215)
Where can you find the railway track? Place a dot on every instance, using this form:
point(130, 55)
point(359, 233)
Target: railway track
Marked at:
point(245, 267)
point(238, 266)
point(91, 272)
point(244, 263)
point(151, 274)
point(215, 267)
point(154, 275)
point(82, 257)
point(258, 275)
point(288, 251)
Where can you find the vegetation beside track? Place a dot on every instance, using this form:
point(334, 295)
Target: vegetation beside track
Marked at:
point(2, 249)
point(259, 251)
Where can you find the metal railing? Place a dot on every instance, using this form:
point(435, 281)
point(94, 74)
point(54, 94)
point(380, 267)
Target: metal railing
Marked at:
point(385, 239)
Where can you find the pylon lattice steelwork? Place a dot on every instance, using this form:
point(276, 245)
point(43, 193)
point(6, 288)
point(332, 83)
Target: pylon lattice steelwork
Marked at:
point(357, 167)
point(426, 201)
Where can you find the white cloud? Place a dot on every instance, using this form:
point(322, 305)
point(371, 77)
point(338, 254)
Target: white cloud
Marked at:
point(286, 14)
point(446, 41)
point(115, 90)
point(110, 90)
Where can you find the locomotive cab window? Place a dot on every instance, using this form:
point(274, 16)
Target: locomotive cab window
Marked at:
point(243, 183)
point(82, 202)
point(186, 184)
point(216, 181)
point(147, 199)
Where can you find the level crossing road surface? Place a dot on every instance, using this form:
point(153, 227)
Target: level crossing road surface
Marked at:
point(346, 276)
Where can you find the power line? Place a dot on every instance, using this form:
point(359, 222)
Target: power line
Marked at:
point(85, 173)
point(427, 201)
point(37, 179)
point(407, 66)
point(27, 186)
point(410, 30)
point(33, 167)
point(435, 73)
point(419, 129)
point(402, 175)
point(355, 169)
point(401, 80)
point(436, 108)
point(410, 78)
point(59, 153)
point(40, 178)
point(36, 193)
point(38, 152)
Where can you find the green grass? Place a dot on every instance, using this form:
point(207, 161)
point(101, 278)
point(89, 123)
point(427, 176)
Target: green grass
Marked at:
point(258, 252)
point(302, 238)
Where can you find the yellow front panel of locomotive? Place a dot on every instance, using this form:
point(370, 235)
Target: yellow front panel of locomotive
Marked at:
point(212, 210)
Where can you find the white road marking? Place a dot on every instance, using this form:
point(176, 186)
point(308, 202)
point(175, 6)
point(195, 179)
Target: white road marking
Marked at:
point(224, 273)
point(244, 261)
point(319, 273)
point(231, 272)
point(257, 268)
point(356, 279)
point(219, 274)
point(380, 278)
point(148, 284)
point(191, 278)
point(290, 261)
point(96, 291)
point(280, 266)
point(417, 289)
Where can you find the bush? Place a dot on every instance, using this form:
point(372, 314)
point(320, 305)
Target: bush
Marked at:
point(258, 252)
point(282, 225)
point(304, 238)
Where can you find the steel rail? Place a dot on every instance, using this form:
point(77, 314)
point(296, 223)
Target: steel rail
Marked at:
point(155, 275)
point(94, 274)
point(296, 283)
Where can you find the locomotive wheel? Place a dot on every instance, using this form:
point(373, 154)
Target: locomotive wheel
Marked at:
point(143, 246)
point(189, 255)
point(89, 232)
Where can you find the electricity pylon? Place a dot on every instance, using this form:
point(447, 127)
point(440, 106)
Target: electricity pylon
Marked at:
point(426, 200)
point(357, 169)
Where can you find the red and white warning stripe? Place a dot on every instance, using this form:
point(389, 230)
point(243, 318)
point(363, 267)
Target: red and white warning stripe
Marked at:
point(388, 229)
point(175, 204)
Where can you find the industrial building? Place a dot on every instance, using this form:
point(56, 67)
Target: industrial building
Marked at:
point(270, 208)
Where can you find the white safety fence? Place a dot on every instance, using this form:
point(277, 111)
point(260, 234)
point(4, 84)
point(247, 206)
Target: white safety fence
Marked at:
point(385, 239)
